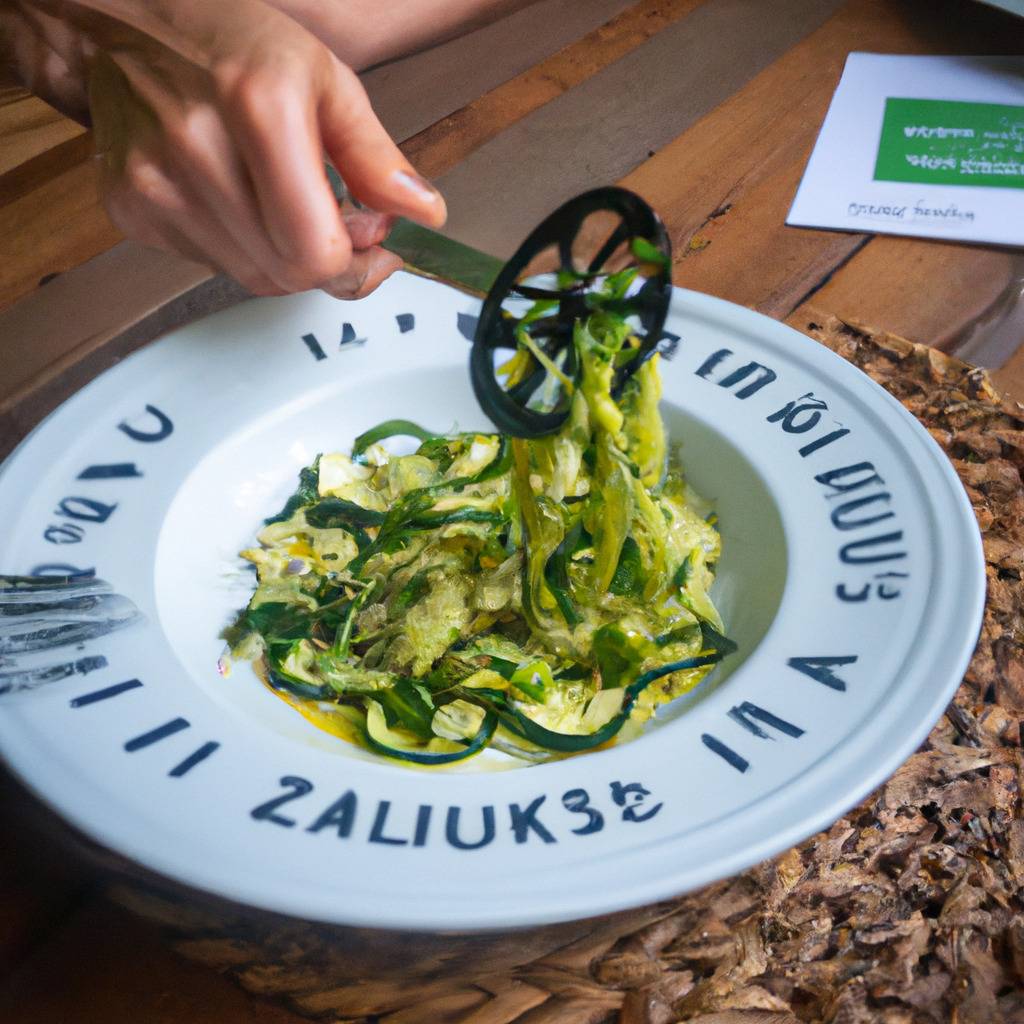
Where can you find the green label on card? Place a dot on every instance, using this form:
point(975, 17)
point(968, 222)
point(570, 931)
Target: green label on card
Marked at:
point(947, 142)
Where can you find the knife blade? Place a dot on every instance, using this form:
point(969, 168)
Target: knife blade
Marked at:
point(431, 254)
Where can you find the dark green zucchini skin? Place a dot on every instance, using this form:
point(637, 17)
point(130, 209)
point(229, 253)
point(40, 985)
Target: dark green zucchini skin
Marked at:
point(567, 743)
point(473, 746)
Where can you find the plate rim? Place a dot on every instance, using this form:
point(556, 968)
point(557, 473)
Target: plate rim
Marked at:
point(668, 883)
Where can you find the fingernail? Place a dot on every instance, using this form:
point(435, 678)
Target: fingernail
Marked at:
point(418, 186)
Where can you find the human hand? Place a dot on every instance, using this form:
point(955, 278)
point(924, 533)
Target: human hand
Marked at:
point(212, 122)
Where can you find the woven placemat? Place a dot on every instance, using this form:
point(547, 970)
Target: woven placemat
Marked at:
point(908, 910)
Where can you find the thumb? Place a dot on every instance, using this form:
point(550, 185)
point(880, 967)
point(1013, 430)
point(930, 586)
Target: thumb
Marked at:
point(373, 167)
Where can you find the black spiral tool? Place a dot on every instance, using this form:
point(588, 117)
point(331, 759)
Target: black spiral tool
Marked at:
point(537, 404)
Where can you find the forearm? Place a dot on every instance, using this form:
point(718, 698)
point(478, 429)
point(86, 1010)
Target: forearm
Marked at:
point(47, 55)
point(49, 44)
point(363, 33)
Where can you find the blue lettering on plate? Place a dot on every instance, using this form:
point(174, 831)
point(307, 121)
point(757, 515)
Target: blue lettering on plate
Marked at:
point(349, 337)
point(105, 694)
point(340, 816)
point(164, 427)
point(298, 788)
point(763, 374)
point(314, 347)
point(632, 798)
point(578, 801)
point(379, 823)
point(467, 325)
point(161, 732)
point(196, 757)
point(110, 471)
point(724, 751)
point(525, 821)
point(820, 669)
point(454, 837)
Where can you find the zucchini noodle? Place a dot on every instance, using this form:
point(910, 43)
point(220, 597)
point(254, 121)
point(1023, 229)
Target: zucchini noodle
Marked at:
point(539, 596)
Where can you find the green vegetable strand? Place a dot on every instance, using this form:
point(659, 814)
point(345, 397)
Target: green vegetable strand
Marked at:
point(488, 590)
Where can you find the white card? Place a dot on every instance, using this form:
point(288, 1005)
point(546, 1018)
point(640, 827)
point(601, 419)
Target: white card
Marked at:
point(928, 146)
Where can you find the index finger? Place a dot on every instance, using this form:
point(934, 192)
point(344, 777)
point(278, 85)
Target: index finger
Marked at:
point(274, 118)
point(374, 169)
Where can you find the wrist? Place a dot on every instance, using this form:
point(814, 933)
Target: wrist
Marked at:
point(356, 40)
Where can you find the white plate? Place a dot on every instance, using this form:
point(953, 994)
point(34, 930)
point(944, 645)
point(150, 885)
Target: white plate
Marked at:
point(852, 577)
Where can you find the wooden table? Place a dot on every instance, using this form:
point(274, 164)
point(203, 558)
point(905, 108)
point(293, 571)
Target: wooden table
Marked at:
point(708, 109)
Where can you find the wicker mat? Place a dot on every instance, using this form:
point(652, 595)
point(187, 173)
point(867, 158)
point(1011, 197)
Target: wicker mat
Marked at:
point(909, 909)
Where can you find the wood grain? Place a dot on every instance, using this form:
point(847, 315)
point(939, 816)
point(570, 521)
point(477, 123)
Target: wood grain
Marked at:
point(413, 93)
point(62, 335)
point(926, 291)
point(441, 146)
point(28, 127)
point(725, 185)
point(50, 215)
point(37, 170)
point(49, 210)
point(602, 129)
point(50, 229)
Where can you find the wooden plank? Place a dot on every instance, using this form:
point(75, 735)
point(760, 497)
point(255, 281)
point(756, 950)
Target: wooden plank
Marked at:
point(37, 170)
point(457, 73)
point(441, 146)
point(119, 287)
point(28, 127)
point(108, 967)
point(62, 335)
point(412, 93)
point(51, 229)
point(923, 290)
point(746, 255)
point(726, 184)
point(602, 129)
point(1010, 378)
